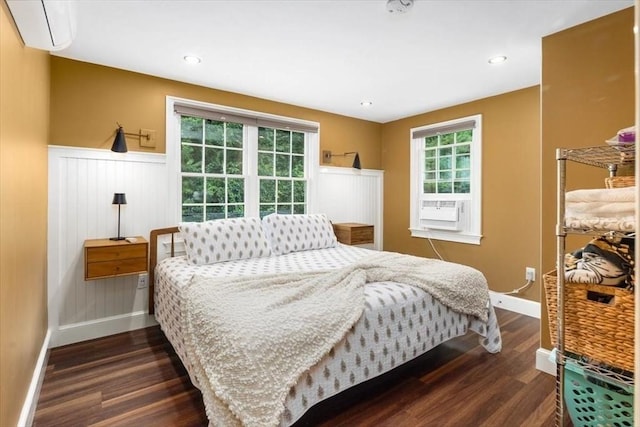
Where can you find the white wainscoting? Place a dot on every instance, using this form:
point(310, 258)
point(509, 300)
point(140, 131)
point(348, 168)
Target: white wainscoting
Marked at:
point(81, 186)
point(351, 195)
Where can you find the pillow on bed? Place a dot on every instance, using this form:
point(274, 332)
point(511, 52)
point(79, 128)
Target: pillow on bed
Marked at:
point(293, 233)
point(222, 240)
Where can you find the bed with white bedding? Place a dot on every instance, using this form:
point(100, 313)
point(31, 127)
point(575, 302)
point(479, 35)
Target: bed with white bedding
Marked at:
point(396, 323)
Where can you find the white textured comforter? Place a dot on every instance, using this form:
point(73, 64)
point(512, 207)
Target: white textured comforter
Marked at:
point(250, 339)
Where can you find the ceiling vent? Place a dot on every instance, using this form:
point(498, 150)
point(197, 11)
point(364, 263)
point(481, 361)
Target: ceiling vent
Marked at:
point(399, 6)
point(44, 24)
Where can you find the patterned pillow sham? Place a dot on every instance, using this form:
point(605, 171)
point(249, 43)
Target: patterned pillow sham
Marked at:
point(222, 240)
point(293, 233)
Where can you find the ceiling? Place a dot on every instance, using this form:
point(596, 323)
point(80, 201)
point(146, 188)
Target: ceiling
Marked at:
point(332, 54)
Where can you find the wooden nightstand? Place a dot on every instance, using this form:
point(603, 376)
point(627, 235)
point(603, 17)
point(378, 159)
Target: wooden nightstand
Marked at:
point(110, 258)
point(351, 233)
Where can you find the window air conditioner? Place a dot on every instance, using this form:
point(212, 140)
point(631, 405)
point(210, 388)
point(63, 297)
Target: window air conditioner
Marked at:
point(44, 24)
point(441, 214)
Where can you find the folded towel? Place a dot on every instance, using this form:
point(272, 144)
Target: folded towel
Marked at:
point(600, 209)
point(608, 195)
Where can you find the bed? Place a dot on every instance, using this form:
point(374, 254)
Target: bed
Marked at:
point(261, 358)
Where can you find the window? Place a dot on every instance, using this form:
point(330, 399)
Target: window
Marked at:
point(235, 163)
point(446, 180)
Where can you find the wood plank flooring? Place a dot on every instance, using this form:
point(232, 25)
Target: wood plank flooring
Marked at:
point(136, 379)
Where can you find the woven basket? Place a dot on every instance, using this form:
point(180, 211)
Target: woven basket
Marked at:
point(601, 331)
point(620, 181)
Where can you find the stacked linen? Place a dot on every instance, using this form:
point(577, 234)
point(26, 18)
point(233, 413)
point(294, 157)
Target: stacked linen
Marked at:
point(601, 209)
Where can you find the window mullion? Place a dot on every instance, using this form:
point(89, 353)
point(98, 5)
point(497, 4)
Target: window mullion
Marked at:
point(250, 171)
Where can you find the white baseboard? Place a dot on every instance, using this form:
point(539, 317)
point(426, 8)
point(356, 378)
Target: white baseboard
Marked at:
point(31, 400)
point(543, 363)
point(69, 334)
point(515, 304)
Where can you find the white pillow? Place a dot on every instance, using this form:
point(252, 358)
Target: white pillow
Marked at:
point(293, 233)
point(222, 240)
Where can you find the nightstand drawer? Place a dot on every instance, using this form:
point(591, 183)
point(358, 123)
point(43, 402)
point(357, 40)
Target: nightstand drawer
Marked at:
point(116, 268)
point(112, 253)
point(351, 233)
point(105, 258)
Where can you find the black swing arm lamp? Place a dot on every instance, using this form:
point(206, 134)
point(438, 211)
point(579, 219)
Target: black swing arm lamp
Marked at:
point(120, 142)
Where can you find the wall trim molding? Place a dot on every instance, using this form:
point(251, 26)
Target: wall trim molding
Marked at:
point(99, 154)
point(76, 332)
point(544, 363)
point(515, 304)
point(31, 400)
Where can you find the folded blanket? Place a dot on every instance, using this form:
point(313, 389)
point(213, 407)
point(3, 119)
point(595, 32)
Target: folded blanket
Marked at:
point(608, 195)
point(251, 338)
point(600, 209)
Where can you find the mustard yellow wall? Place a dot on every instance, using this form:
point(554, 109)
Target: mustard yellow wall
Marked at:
point(510, 189)
point(24, 127)
point(587, 95)
point(87, 100)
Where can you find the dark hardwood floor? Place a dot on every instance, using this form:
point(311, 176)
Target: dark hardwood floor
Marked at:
point(136, 379)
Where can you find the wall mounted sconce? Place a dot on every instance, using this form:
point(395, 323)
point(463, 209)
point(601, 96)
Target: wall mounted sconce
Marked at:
point(327, 155)
point(118, 199)
point(120, 143)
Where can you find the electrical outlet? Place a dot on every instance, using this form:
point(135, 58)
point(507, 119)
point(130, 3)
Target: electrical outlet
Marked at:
point(530, 274)
point(142, 280)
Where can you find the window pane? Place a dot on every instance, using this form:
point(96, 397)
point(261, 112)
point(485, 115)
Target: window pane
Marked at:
point(191, 158)
point(299, 188)
point(462, 187)
point(213, 158)
point(297, 142)
point(431, 141)
point(235, 211)
point(298, 209)
point(282, 165)
point(297, 166)
point(463, 149)
point(234, 135)
point(235, 190)
point(465, 173)
point(214, 133)
point(444, 187)
point(215, 212)
point(284, 192)
point(445, 175)
point(266, 210)
point(284, 209)
point(283, 141)
point(430, 153)
point(430, 164)
point(234, 162)
point(463, 162)
point(445, 151)
point(445, 163)
point(265, 139)
point(191, 129)
point(429, 187)
point(446, 139)
point(215, 190)
point(192, 213)
point(192, 189)
point(430, 176)
point(267, 191)
point(464, 136)
point(265, 164)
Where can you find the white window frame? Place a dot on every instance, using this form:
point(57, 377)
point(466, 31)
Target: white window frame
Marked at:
point(250, 162)
point(471, 233)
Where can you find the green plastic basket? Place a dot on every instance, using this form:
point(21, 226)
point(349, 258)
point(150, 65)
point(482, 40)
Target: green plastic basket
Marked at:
point(596, 401)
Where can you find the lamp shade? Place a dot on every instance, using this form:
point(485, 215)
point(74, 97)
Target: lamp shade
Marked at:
point(119, 143)
point(356, 162)
point(119, 199)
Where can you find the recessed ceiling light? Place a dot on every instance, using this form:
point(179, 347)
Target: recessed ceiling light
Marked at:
point(190, 59)
point(366, 103)
point(497, 59)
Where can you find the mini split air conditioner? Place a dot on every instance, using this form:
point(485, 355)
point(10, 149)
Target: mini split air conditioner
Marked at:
point(44, 24)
